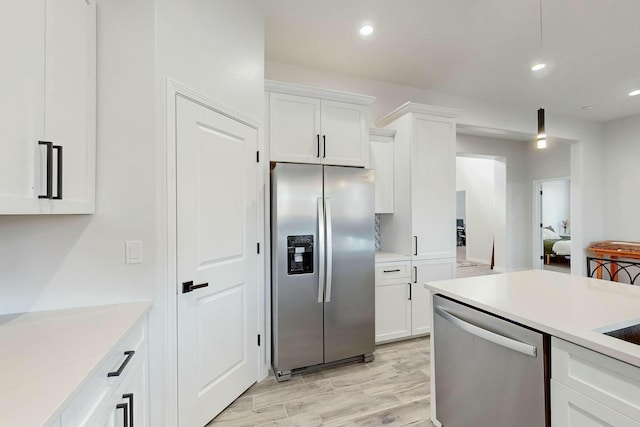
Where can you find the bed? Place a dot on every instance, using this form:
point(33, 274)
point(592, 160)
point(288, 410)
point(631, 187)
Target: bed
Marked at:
point(555, 246)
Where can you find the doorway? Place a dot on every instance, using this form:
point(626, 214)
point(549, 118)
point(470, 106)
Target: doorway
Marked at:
point(552, 225)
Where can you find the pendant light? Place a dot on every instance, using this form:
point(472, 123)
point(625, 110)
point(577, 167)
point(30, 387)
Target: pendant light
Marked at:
point(542, 135)
point(541, 139)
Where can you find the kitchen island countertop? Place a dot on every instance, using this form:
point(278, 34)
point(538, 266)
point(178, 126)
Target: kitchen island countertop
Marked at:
point(562, 305)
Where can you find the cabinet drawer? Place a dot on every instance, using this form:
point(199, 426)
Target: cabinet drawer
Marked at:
point(392, 271)
point(614, 383)
point(91, 399)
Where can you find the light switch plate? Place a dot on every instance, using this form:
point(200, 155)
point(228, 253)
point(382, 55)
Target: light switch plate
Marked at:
point(133, 252)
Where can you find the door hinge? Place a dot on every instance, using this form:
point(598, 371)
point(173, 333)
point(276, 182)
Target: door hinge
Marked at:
point(540, 225)
point(541, 192)
point(258, 156)
point(541, 256)
point(258, 340)
point(258, 246)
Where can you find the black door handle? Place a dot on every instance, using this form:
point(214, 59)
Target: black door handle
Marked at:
point(409, 290)
point(58, 195)
point(324, 146)
point(129, 396)
point(49, 193)
point(117, 373)
point(415, 239)
point(318, 139)
point(189, 286)
point(125, 413)
point(415, 274)
point(391, 271)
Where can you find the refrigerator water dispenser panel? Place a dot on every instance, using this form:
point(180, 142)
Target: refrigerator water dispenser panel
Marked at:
point(300, 254)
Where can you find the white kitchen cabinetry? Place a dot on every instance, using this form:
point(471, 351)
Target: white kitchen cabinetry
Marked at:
point(591, 389)
point(48, 95)
point(393, 300)
point(309, 125)
point(381, 157)
point(423, 271)
point(117, 389)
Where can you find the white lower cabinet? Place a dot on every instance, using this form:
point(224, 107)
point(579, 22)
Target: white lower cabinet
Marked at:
point(403, 306)
point(591, 389)
point(393, 301)
point(117, 390)
point(572, 409)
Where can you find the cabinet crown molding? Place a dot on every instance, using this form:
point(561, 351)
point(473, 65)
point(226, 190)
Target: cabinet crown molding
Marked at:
point(314, 92)
point(414, 107)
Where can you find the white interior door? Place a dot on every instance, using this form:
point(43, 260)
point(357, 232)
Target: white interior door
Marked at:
point(216, 250)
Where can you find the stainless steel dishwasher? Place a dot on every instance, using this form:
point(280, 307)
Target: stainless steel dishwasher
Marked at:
point(489, 372)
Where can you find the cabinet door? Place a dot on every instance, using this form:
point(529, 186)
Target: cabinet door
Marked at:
point(130, 402)
point(424, 271)
point(381, 154)
point(433, 188)
point(21, 102)
point(70, 99)
point(294, 129)
point(393, 309)
point(345, 134)
point(572, 409)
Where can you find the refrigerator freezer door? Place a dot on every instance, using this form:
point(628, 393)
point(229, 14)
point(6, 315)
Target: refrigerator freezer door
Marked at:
point(349, 318)
point(297, 313)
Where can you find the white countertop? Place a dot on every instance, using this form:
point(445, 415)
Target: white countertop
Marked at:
point(391, 257)
point(562, 305)
point(46, 356)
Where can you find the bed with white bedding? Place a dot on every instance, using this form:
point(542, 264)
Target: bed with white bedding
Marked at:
point(555, 246)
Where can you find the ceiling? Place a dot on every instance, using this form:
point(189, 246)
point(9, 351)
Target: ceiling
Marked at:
point(480, 49)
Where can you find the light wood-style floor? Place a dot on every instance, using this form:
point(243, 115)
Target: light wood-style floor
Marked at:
point(393, 390)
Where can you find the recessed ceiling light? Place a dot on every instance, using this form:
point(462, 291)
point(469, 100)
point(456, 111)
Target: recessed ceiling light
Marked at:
point(366, 30)
point(634, 92)
point(538, 67)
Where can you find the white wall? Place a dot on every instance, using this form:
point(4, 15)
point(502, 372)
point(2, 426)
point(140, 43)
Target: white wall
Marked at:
point(586, 156)
point(621, 192)
point(476, 176)
point(46, 262)
point(555, 204)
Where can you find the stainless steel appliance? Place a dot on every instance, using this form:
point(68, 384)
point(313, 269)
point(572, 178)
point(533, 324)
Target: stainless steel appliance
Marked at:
point(489, 372)
point(322, 234)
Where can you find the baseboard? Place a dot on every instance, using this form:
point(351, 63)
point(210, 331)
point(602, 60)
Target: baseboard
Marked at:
point(478, 260)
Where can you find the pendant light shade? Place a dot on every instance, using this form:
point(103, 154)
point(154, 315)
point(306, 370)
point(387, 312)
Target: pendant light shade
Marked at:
point(542, 137)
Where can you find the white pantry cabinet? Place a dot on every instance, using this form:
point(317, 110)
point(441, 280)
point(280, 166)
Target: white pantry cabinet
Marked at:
point(48, 106)
point(310, 125)
point(423, 271)
point(591, 389)
point(381, 160)
point(423, 223)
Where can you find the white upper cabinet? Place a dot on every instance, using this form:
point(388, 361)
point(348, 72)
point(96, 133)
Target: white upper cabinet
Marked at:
point(381, 156)
point(48, 106)
point(423, 223)
point(309, 125)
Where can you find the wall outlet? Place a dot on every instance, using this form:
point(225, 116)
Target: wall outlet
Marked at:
point(133, 252)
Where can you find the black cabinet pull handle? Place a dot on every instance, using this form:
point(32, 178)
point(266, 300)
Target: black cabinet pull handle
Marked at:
point(324, 146)
point(125, 413)
point(415, 242)
point(49, 193)
point(415, 274)
point(391, 271)
point(189, 286)
point(130, 397)
point(318, 138)
point(409, 291)
point(58, 195)
point(117, 373)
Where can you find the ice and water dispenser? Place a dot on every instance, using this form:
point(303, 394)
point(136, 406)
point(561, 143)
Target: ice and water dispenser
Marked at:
point(300, 254)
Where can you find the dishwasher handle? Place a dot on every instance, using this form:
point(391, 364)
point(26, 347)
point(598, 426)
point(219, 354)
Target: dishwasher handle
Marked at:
point(500, 340)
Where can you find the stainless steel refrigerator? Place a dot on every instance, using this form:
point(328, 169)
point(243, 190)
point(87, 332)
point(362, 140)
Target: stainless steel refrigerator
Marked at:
point(322, 265)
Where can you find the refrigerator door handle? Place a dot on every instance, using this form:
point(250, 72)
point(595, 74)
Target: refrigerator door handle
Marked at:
point(321, 249)
point(327, 204)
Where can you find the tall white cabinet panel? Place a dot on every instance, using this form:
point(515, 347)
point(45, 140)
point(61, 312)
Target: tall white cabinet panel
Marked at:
point(294, 129)
point(423, 223)
point(318, 126)
point(48, 94)
point(381, 160)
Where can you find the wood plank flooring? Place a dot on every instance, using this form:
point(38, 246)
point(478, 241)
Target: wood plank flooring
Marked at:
point(393, 390)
